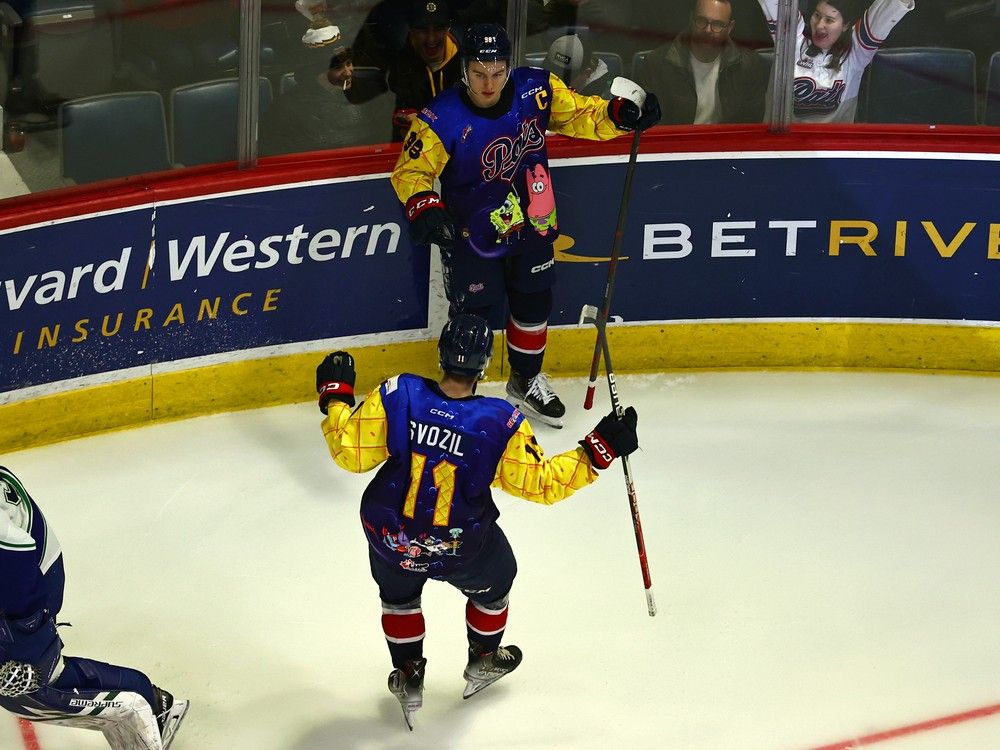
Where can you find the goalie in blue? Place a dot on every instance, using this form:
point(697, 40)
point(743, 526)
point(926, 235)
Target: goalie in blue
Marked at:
point(39, 683)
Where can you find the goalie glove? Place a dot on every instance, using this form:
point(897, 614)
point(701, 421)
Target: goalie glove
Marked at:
point(626, 114)
point(335, 377)
point(429, 220)
point(613, 437)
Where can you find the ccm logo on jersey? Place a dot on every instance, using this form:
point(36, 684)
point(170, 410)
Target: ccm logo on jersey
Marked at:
point(532, 92)
point(445, 414)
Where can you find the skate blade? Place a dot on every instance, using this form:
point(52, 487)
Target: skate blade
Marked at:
point(177, 713)
point(475, 686)
point(408, 715)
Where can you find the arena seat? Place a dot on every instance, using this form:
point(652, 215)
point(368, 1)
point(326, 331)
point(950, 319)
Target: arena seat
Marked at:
point(112, 135)
point(203, 120)
point(767, 55)
point(68, 49)
point(637, 60)
point(922, 85)
point(991, 113)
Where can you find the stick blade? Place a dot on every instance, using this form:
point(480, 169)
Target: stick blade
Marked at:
point(588, 314)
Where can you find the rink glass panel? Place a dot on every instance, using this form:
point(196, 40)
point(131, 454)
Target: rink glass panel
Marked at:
point(937, 66)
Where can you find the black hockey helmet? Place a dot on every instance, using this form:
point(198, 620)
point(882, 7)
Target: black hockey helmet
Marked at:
point(466, 345)
point(486, 42)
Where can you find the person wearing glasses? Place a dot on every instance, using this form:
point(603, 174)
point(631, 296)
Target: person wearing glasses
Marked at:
point(702, 77)
point(833, 51)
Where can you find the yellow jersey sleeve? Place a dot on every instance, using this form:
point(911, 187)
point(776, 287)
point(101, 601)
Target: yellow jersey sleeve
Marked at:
point(580, 116)
point(422, 159)
point(524, 471)
point(357, 439)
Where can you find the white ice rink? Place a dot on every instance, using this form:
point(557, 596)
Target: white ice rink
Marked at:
point(823, 546)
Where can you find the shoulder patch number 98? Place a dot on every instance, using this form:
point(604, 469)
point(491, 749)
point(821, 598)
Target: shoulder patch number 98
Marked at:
point(413, 146)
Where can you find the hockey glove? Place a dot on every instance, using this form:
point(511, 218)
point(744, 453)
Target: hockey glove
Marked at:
point(335, 379)
point(611, 438)
point(429, 220)
point(626, 115)
point(402, 118)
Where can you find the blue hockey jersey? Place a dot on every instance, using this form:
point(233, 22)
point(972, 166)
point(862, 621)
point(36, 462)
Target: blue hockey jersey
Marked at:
point(429, 507)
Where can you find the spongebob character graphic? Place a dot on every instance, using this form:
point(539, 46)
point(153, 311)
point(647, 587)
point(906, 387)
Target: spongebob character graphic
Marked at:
point(508, 218)
point(541, 200)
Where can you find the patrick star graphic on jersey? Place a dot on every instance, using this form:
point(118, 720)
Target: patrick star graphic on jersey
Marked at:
point(541, 201)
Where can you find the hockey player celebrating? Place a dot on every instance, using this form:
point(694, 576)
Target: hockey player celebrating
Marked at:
point(495, 219)
point(832, 54)
point(429, 513)
point(37, 682)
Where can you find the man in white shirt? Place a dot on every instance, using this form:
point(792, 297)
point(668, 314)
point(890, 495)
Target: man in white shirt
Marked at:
point(702, 77)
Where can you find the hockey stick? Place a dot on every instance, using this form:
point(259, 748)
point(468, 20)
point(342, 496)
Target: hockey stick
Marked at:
point(616, 247)
point(590, 314)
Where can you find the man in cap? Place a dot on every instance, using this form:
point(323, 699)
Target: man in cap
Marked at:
point(571, 58)
point(426, 65)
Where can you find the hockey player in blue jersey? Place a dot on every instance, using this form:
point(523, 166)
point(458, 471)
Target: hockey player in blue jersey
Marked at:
point(495, 218)
point(429, 512)
point(39, 683)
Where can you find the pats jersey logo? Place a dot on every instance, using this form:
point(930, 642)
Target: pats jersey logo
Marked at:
point(502, 156)
point(811, 99)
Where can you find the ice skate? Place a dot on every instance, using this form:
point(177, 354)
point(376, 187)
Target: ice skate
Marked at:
point(407, 684)
point(321, 31)
point(535, 397)
point(485, 669)
point(169, 715)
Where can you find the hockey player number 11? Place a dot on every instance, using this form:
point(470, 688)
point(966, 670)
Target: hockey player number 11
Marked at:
point(444, 483)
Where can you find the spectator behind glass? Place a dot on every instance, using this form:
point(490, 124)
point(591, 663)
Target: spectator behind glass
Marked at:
point(702, 77)
point(313, 114)
point(833, 52)
point(426, 65)
point(571, 59)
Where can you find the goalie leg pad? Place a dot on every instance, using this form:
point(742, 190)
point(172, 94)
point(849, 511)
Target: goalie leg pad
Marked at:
point(125, 718)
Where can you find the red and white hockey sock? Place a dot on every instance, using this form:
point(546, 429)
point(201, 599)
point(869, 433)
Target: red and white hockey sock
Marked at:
point(403, 626)
point(485, 626)
point(526, 345)
point(526, 338)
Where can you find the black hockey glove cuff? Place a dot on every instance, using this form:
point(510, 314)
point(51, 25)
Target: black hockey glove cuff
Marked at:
point(429, 220)
point(335, 378)
point(611, 438)
point(626, 115)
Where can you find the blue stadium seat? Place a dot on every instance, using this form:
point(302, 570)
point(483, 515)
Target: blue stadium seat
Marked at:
point(767, 55)
point(613, 61)
point(535, 59)
point(112, 135)
point(286, 83)
point(991, 114)
point(203, 120)
point(922, 85)
point(637, 58)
